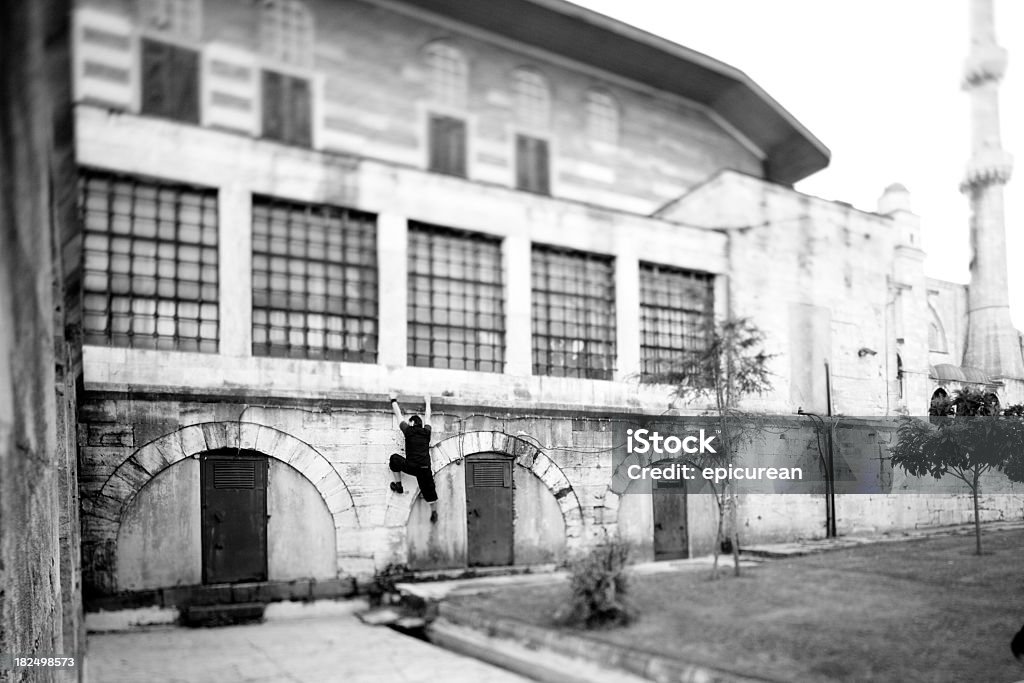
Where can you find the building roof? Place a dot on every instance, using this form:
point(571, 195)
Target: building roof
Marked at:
point(792, 152)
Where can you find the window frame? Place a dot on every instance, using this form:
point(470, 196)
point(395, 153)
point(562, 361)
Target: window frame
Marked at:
point(607, 306)
point(164, 252)
point(708, 315)
point(470, 287)
point(289, 267)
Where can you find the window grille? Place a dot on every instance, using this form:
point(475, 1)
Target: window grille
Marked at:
point(286, 28)
point(180, 18)
point(676, 322)
point(532, 99)
point(573, 313)
point(456, 307)
point(447, 140)
point(533, 172)
point(448, 74)
point(170, 81)
point(150, 263)
point(287, 109)
point(602, 117)
point(314, 278)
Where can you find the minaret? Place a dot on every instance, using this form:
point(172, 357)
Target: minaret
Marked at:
point(992, 342)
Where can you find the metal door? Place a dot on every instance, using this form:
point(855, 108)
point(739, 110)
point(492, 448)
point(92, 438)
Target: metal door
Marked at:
point(669, 501)
point(234, 516)
point(488, 512)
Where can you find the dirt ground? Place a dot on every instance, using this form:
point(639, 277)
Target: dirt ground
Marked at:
point(922, 610)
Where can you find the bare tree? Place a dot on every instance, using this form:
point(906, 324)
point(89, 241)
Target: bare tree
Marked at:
point(732, 365)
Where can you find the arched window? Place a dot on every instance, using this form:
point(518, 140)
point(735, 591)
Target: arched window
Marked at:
point(448, 73)
point(176, 17)
point(602, 117)
point(286, 28)
point(533, 98)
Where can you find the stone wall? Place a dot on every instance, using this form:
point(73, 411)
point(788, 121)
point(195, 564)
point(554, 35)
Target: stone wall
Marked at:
point(40, 591)
point(571, 490)
point(371, 98)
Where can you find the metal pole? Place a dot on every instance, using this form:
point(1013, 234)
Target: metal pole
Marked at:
point(832, 531)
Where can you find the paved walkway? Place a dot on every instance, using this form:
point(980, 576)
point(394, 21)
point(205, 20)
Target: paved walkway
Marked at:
point(321, 649)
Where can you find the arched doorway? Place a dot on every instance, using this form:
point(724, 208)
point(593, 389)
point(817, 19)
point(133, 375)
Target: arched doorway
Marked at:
point(233, 499)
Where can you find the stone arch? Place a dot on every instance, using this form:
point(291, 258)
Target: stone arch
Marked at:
point(529, 455)
point(137, 470)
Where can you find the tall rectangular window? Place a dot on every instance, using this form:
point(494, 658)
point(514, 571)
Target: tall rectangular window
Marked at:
point(314, 281)
point(150, 263)
point(573, 313)
point(532, 165)
point(676, 319)
point(447, 141)
point(170, 81)
point(456, 311)
point(287, 109)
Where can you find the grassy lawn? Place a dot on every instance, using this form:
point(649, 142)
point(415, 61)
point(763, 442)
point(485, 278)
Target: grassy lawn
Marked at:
point(923, 610)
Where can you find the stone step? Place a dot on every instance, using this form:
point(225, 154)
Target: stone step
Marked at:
point(222, 615)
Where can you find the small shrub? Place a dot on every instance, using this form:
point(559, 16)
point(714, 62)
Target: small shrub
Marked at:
point(383, 587)
point(598, 588)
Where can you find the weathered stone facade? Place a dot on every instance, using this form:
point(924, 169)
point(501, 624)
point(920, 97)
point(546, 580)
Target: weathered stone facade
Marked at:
point(40, 580)
point(690, 185)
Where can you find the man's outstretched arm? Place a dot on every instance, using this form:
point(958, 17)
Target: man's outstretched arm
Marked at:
point(396, 409)
point(426, 410)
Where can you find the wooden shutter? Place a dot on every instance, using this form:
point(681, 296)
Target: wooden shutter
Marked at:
point(184, 85)
point(155, 67)
point(170, 81)
point(532, 172)
point(447, 140)
point(287, 109)
point(273, 110)
point(299, 107)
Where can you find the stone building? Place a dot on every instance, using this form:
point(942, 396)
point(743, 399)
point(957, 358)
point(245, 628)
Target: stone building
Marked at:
point(524, 210)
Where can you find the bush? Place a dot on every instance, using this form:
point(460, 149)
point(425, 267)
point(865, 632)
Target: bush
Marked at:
point(382, 590)
point(598, 584)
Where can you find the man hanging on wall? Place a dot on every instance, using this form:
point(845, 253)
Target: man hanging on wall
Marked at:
point(417, 454)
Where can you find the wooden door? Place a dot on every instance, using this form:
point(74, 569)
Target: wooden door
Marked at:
point(234, 516)
point(488, 512)
point(669, 501)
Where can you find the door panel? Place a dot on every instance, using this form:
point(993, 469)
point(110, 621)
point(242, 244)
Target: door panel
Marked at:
point(669, 501)
point(488, 512)
point(234, 519)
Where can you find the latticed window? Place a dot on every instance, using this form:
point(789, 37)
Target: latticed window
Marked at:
point(602, 117)
point(532, 98)
point(676, 322)
point(150, 263)
point(286, 31)
point(314, 281)
point(456, 312)
point(180, 18)
point(573, 313)
point(448, 73)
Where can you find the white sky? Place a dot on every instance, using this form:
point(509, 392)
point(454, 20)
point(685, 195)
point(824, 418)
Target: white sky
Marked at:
point(878, 81)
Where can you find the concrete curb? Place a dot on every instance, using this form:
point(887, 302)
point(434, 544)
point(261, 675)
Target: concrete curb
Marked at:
point(492, 634)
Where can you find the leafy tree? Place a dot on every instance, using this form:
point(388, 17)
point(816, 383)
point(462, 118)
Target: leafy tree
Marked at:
point(733, 365)
point(965, 438)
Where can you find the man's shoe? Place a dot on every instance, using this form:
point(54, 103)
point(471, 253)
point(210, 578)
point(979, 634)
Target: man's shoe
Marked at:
point(396, 486)
point(433, 516)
